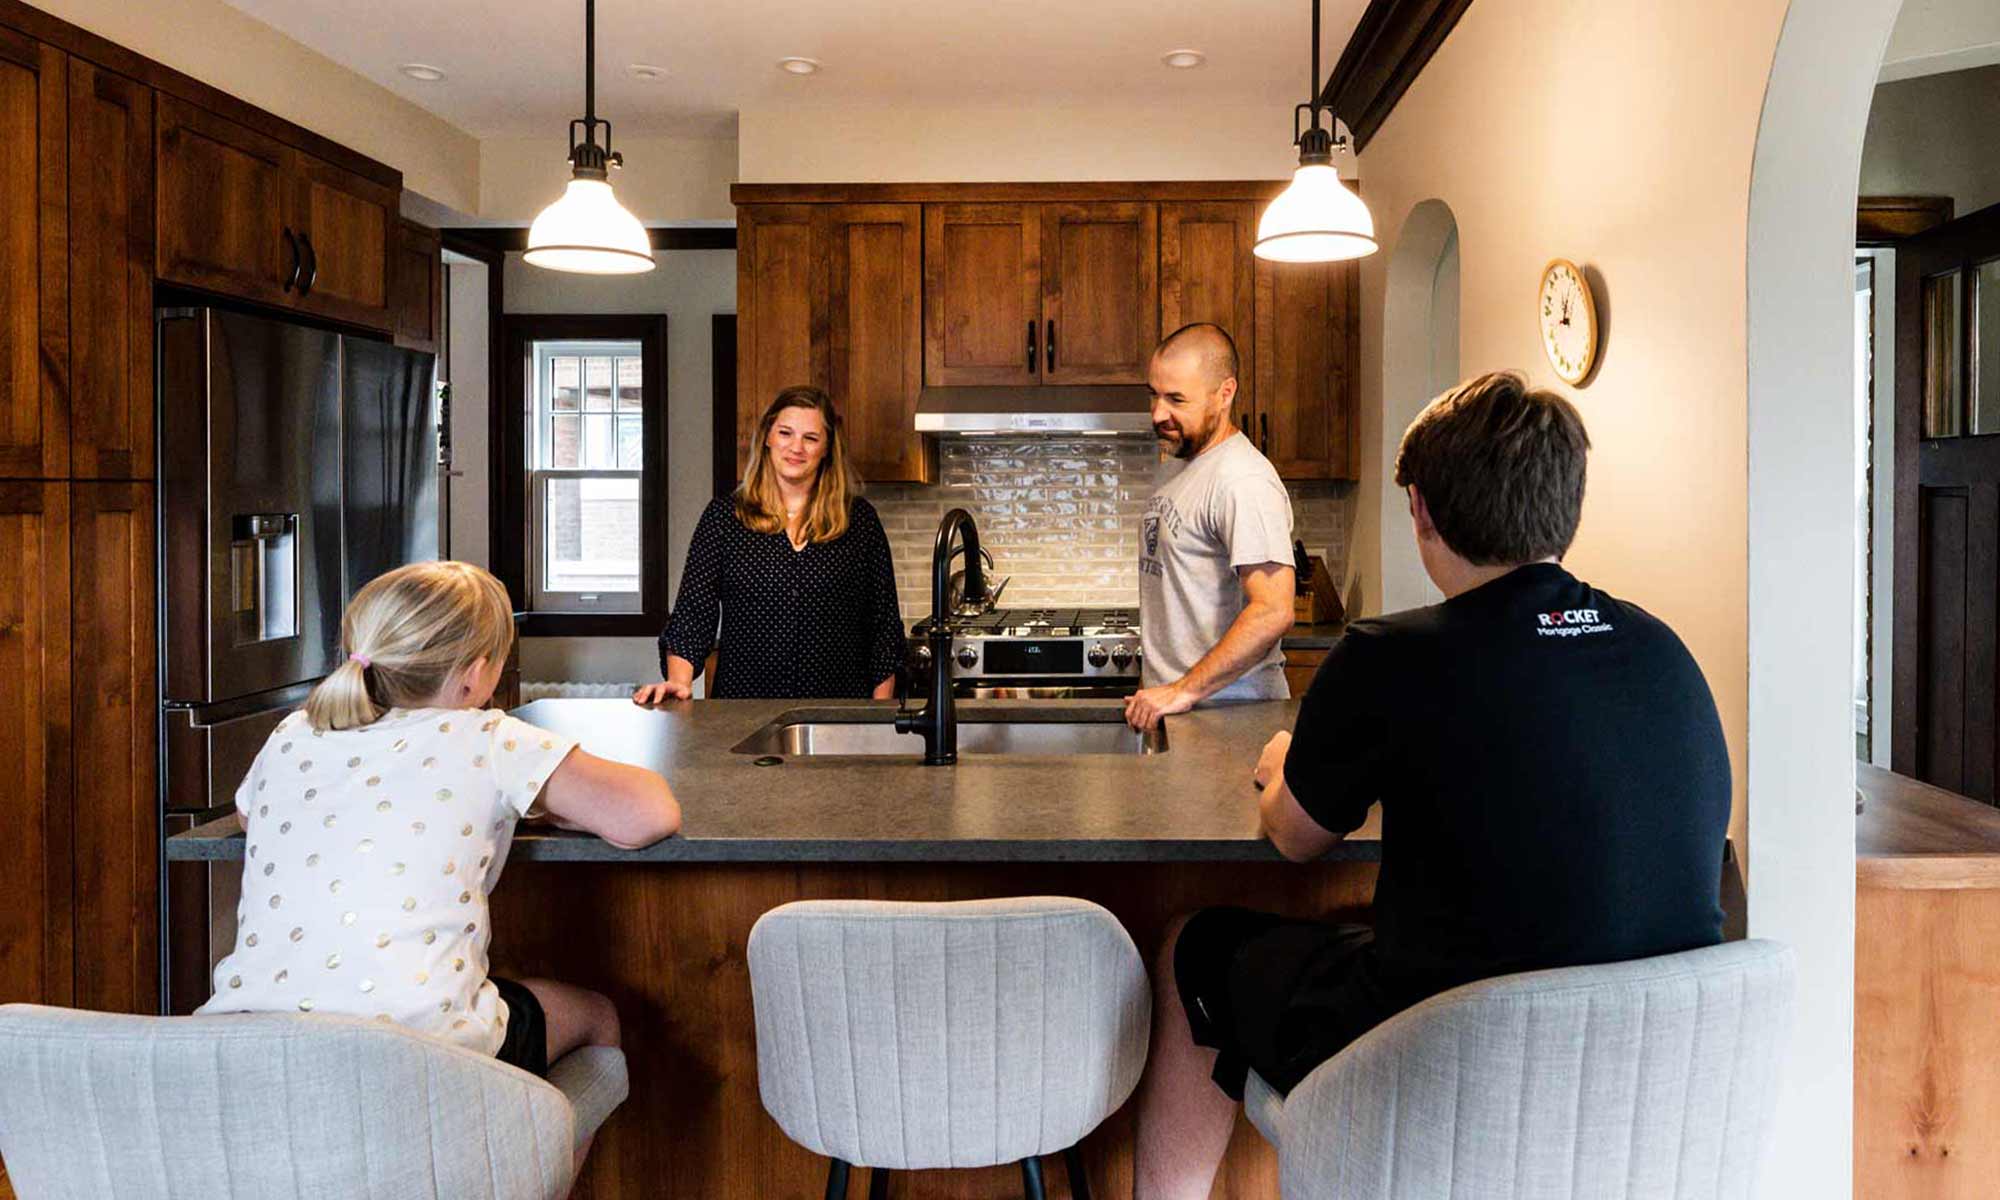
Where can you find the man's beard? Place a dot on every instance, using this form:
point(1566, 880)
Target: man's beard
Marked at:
point(1191, 441)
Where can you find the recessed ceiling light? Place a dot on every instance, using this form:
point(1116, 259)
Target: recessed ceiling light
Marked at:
point(799, 66)
point(647, 71)
point(422, 71)
point(1183, 60)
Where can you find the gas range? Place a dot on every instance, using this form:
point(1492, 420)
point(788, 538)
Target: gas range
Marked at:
point(1041, 648)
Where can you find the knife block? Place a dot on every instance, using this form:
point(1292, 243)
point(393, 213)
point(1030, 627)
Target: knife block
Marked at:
point(1318, 600)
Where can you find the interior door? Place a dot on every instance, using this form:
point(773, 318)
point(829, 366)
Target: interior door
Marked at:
point(1947, 514)
point(982, 295)
point(1100, 292)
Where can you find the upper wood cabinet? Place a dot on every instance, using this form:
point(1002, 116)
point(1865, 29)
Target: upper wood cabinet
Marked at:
point(1208, 273)
point(110, 274)
point(416, 285)
point(1022, 294)
point(1306, 347)
point(34, 259)
point(830, 296)
point(244, 214)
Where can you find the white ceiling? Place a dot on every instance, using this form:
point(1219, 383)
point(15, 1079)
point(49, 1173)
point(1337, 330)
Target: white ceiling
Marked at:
point(515, 67)
point(1934, 36)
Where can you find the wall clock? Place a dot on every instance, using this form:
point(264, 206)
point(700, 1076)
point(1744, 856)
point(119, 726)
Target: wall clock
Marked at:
point(1568, 315)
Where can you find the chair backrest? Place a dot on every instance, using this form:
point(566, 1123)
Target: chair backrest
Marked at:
point(267, 1107)
point(1626, 1081)
point(909, 1036)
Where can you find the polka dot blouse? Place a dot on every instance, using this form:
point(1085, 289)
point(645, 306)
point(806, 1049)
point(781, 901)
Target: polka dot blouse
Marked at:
point(818, 622)
point(370, 853)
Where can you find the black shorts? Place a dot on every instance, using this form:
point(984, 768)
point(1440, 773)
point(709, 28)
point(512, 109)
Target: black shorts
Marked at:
point(526, 1044)
point(1276, 995)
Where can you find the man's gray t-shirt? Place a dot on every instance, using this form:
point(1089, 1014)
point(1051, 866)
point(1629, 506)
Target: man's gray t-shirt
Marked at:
point(1222, 509)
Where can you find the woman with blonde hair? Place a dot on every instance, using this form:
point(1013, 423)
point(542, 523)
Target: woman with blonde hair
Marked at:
point(796, 568)
point(378, 817)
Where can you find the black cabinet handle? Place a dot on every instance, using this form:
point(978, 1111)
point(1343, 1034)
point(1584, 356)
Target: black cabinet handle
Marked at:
point(1031, 346)
point(1243, 424)
point(1052, 345)
point(312, 265)
point(292, 244)
point(1264, 422)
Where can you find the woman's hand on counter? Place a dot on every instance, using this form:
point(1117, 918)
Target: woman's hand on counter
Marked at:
point(664, 692)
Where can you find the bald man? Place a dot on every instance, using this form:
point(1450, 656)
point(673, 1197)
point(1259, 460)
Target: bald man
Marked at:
point(1215, 544)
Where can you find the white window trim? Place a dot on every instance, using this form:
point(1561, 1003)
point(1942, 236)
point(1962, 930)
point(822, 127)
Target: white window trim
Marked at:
point(541, 597)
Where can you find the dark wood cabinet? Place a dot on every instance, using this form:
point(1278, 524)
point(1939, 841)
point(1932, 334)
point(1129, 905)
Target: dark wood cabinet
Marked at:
point(1208, 273)
point(416, 285)
point(246, 215)
point(110, 274)
point(1100, 297)
point(35, 765)
point(1305, 419)
point(34, 260)
point(830, 295)
point(982, 296)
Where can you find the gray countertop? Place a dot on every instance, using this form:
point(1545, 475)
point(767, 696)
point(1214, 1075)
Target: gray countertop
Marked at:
point(1192, 803)
point(1313, 637)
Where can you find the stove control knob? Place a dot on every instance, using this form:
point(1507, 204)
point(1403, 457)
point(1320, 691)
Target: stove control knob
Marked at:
point(921, 653)
point(1121, 657)
point(968, 657)
point(1096, 656)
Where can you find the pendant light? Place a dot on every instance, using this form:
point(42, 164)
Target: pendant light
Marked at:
point(587, 230)
point(1317, 219)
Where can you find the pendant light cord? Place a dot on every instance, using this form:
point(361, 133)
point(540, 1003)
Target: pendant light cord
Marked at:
point(1316, 84)
point(590, 58)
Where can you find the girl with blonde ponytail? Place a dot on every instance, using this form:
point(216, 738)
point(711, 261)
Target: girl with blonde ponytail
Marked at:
point(378, 818)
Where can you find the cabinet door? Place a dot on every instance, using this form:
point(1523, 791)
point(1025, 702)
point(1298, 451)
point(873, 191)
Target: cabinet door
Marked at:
point(110, 274)
point(778, 281)
point(1305, 368)
point(1208, 273)
point(982, 294)
point(875, 278)
point(222, 206)
point(416, 278)
point(34, 303)
point(1100, 296)
point(35, 889)
point(112, 716)
point(344, 224)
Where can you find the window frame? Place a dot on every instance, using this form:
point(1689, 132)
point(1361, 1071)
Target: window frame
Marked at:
point(517, 486)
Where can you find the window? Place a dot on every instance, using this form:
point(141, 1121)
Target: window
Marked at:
point(591, 446)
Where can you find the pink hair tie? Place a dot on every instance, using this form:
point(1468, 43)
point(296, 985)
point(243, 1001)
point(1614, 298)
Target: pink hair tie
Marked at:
point(362, 659)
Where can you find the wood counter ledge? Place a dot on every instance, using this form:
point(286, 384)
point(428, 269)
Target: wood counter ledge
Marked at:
point(1192, 803)
point(1913, 835)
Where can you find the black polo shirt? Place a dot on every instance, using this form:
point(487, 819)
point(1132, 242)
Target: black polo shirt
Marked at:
point(1552, 773)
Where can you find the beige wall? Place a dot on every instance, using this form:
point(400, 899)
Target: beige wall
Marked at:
point(230, 50)
point(664, 180)
point(1933, 136)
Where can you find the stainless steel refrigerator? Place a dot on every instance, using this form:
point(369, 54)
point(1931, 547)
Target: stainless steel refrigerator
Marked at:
point(295, 464)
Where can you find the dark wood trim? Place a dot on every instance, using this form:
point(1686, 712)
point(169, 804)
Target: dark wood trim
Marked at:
point(1886, 220)
point(1390, 47)
point(722, 341)
point(1002, 193)
point(111, 56)
point(509, 484)
point(514, 238)
point(496, 294)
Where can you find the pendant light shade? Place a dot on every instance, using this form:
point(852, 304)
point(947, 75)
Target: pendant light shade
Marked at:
point(587, 230)
point(1317, 219)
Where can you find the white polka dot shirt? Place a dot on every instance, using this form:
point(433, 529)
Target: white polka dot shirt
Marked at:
point(370, 853)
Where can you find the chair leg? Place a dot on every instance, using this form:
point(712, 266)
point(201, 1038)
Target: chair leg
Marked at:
point(836, 1180)
point(878, 1184)
point(1079, 1180)
point(1031, 1179)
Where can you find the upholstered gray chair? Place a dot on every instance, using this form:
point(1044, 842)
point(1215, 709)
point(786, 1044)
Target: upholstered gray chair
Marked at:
point(912, 1036)
point(1628, 1081)
point(269, 1106)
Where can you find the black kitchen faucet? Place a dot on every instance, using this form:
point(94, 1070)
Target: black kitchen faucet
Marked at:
point(937, 721)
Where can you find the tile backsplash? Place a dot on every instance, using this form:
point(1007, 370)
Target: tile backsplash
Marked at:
point(1061, 517)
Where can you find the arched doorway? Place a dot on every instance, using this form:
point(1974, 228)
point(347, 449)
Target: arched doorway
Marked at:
point(1419, 360)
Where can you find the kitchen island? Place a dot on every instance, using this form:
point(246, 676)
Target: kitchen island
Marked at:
point(662, 930)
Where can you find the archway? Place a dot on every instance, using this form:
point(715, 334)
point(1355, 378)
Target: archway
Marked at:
point(1419, 360)
point(1799, 277)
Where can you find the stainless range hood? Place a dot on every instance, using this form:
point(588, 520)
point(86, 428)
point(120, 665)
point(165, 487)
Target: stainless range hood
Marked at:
point(1021, 411)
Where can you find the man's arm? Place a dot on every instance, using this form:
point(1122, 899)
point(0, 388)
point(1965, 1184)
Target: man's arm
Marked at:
point(1266, 618)
point(1280, 818)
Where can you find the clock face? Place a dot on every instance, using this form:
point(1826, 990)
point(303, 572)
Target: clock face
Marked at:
point(1568, 319)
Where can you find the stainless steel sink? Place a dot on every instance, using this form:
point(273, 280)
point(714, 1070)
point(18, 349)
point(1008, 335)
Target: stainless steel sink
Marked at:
point(809, 734)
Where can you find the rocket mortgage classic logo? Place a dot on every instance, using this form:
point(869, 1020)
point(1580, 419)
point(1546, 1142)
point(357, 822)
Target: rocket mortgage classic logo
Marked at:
point(1570, 622)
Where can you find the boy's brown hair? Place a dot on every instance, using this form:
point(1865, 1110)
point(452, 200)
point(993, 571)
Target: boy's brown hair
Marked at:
point(1501, 469)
